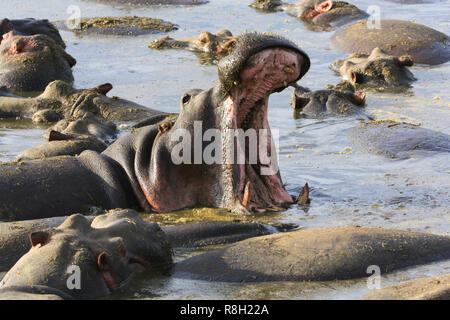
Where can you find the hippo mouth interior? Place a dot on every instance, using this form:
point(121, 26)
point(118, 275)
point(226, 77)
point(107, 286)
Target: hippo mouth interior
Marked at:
point(259, 185)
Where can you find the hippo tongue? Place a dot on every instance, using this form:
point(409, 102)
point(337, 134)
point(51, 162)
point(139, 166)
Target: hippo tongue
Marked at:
point(265, 72)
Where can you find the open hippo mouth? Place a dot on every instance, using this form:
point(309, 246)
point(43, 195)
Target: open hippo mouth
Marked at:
point(269, 68)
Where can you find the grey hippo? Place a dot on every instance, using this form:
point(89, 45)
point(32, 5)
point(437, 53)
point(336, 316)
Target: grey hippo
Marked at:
point(397, 140)
point(30, 63)
point(395, 37)
point(319, 15)
point(339, 100)
point(150, 169)
point(29, 27)
point(111, 249)
point(377, 69)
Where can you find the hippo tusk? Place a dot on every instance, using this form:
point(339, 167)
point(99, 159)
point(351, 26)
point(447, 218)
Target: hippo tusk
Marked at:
point(246, 198)
point(303, 197)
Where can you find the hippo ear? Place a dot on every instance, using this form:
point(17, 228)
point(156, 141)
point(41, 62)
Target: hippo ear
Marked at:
point(103, 261)
point(39, 238)
point(355, 77)
point(324, 6)
point(6, 26)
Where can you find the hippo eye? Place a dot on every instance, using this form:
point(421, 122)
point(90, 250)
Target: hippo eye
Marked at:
point(186, 98)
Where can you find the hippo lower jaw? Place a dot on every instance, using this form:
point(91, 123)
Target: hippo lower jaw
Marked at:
point(258, 185)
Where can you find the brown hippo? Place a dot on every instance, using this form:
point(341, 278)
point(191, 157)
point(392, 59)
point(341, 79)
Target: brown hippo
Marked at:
point(29, 27)
point(434, 288)
point(152, 170)
point(103, 254)
point(208, 47)
point(320, 15)
point(395, 37)
point(324, 254)
point(127, 26)
point(30, 63)
point(377, 69)
point(15, 242)
point(397, 140)
point(340, 100)
point(72, 104)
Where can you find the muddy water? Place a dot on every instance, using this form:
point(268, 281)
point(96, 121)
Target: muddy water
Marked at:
point(349, 187)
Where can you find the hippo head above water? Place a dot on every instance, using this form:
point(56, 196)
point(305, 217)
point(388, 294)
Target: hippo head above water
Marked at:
point(107, 252)
point(196, 160)
point(378, 69)
point(29, 63)
point(326, 13)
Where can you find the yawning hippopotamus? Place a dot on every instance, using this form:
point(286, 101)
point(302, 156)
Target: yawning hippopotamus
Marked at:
point(321, 14)
point(152, 170)
point(30, 63)
point(29, 27)
point(397, 38)
point(209, 47)
point(377, 69)
point(339, 100)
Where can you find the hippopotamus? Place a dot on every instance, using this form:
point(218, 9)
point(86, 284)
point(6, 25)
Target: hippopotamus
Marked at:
point(152, 170)
point(321, 15)
point(30, 63)
point(107, 252)
point(323, 254)
point(377, 69)
point(339, 100)
point(128, 26)
point(397, 140)
point(395, 37)
point(208, 47)
point(29, 27)
point(432, 288)
point(63, 144)
point(108, 249)
point(14, 236)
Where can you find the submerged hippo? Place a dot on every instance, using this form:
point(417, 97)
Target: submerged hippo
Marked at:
point(15, 242)
point(209, 47)
point(152, 170)
point(395, 139)
point(70, 103)
point(105, 253)
point(30, 63)
point(324, 254)
point(319, 13)
point(434, 288)
point(339, 100)
point(108, 249)
point(130, 26)
point(377, 69)
point(397, 38)
point(29, 27)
